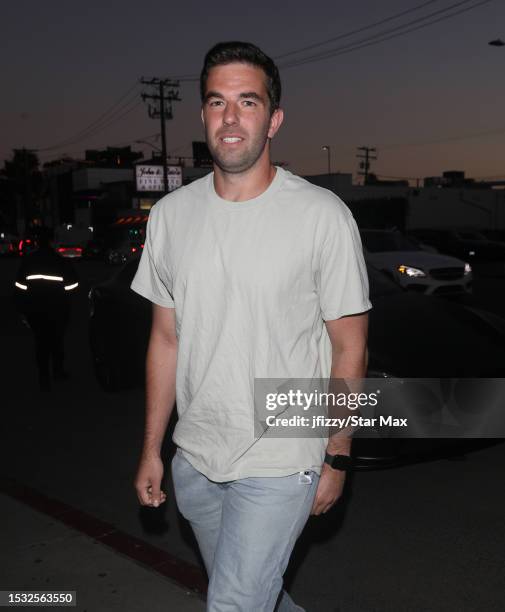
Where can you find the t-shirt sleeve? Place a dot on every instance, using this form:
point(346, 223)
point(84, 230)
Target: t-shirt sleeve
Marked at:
point(342, 276)
point(151, 280)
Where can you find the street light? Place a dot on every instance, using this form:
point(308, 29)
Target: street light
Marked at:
point(327, 148)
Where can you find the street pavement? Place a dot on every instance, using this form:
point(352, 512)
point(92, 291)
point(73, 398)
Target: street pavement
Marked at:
point(40, 554)
point(426, 537)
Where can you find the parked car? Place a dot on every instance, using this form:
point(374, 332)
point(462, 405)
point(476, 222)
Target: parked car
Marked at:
point(411, 335)
point(413, 268)
point(497, 235)
point(119, 325)
point(94, 249)
point(8, 244)
point(122, 252)
point(70, 251)
point(27, 245)
point(469, 245)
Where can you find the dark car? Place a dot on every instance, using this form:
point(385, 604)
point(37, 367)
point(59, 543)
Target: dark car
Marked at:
point(94, 249)
point(410, 336)
point(27, 246)
point(469, 245)
point(69, 251)
point(8, 244)
point(497, 235)
point(120, 321)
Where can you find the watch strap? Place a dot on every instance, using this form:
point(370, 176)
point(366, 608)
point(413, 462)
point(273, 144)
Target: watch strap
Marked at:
point(339, 462)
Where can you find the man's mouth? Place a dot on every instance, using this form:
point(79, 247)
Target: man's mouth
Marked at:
point(231, 139)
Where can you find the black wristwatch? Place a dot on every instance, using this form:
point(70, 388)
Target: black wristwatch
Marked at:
point(339, 462)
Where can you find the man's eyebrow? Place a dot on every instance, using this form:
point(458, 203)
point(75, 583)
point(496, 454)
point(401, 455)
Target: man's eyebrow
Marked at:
point(252, 94)
point(213, 94)
point(246, 94)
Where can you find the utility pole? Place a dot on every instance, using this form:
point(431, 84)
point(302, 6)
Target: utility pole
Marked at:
point(365, 165)
point(163, 111)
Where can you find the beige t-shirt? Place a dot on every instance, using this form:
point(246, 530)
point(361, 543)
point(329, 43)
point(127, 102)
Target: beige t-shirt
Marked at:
point(252, 284)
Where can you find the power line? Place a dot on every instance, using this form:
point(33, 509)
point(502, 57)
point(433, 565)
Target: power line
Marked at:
point(97, 130)
point(400, 178)
point(189, 77)
point(104, 117)
point(50, 156)
point(370, 41)
point(356, 31)
point(104, 123)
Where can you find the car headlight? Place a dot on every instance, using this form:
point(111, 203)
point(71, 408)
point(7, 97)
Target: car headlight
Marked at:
point(468, 268)
point(410, 271)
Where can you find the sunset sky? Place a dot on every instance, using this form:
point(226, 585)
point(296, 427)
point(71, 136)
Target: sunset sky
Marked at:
point(429, 100)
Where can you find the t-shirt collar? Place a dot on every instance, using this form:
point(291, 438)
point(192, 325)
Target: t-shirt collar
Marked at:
point(262, 198)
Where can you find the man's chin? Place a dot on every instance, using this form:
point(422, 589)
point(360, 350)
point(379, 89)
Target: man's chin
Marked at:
point(233, 166)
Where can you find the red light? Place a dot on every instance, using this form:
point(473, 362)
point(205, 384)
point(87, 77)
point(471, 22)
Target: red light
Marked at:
point(20, 246)
point(28, 241)
point(61, 250)
point(142, 246)
point(134, 250)
point(78, 249)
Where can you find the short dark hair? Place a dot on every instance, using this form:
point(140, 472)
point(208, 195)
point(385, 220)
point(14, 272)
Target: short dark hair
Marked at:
point(246, 53)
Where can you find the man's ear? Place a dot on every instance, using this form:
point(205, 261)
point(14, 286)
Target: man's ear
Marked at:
point(275, 122)
point(201, 116)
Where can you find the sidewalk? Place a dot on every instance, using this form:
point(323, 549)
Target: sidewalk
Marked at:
point(41, 553)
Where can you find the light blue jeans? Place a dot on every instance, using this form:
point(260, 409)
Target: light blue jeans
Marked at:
point(246, 530)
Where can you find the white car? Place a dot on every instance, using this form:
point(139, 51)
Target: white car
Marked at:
point(413, 268)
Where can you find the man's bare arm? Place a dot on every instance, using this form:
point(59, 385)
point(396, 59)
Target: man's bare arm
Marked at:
point(348, 336)
point(161, 364)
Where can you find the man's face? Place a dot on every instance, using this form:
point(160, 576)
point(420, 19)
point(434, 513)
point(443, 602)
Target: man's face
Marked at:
point(236, 116)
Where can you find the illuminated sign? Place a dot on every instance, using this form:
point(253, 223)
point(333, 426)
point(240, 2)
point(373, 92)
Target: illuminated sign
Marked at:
point(150, 178)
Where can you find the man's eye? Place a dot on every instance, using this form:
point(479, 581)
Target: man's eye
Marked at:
point(215, 102)
point(249, 103)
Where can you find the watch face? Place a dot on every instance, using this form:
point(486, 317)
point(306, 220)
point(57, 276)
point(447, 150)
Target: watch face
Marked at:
point(339, 462)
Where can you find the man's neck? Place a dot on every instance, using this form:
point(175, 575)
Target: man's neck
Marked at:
point(244, 185)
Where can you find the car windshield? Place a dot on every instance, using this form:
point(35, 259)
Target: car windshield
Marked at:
point(471, 236)
point(379, 242)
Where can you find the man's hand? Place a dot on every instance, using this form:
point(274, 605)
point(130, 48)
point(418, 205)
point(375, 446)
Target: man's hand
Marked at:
point(329, 489)
point(148, 481)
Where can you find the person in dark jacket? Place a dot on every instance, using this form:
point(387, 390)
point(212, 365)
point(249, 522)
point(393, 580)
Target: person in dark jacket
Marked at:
point(43, 290)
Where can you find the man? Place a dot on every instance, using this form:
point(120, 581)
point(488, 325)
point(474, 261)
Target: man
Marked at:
point(44, 285)
point(252, 272)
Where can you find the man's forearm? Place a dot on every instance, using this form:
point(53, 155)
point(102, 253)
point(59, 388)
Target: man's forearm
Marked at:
point(351, 366)
point(161, 364)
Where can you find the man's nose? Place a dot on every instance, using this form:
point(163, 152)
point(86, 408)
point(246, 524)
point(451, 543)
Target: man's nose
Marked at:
point(230, 115)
